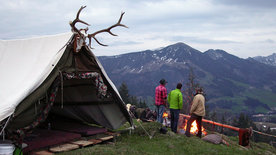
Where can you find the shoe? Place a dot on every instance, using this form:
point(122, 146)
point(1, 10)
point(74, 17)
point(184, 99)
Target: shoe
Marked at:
point(199, 136)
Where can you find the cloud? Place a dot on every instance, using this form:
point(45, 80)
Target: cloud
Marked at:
point(270, 41)
point(232, 25)
point(248, 3)
point(202, 40)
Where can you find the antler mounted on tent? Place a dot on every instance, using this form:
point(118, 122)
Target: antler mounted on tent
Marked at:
point(72, 24)
point(106, 30)
point(80, 38)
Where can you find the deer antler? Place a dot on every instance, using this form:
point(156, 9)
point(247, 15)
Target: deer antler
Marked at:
point(106, 30)
point(72, 24)
point(82, 37)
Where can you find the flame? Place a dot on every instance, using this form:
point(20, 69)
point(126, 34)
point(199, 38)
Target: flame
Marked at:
point(165, 114)
point(194, 129)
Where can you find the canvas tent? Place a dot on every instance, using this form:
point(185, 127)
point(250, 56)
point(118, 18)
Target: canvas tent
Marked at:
point(43, 76)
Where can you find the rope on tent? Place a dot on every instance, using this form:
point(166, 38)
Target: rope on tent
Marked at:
point(132, 115)
point(2, 131)
point(68, 42)
point(264, 134)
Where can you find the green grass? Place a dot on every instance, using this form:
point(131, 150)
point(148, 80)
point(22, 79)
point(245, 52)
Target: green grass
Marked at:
point(264, 96)
point(169, 144)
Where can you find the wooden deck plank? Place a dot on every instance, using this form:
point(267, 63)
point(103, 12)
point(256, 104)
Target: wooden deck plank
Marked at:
point(106, 138)
point(63, 148)
point(82, 143)
point(95, 141)
point(42, 152)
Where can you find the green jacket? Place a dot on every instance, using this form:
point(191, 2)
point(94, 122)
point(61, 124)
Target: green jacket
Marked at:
point(175, 99)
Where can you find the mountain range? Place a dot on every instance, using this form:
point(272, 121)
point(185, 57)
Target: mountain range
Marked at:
point(269, 60)
point(231, 84)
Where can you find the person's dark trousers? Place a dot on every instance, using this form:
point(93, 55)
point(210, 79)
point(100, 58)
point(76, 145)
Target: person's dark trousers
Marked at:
point(174, 119)
point(198, 122)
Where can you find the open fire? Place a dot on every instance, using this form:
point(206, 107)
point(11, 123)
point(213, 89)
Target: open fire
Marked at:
point(194, 129)
point(165, 114)
point(182, 125)
point(166, 121)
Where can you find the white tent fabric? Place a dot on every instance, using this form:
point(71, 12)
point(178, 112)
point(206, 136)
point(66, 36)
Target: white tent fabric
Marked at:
point(24, 65)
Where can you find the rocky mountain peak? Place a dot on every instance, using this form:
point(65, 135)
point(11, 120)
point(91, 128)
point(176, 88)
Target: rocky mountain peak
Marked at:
point(216, 54)
point(269, 60)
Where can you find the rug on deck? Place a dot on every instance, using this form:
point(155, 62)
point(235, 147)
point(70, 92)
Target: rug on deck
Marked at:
point(41, 138)
point(83, 129)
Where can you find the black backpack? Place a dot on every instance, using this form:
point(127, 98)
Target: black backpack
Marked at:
point(163, 130)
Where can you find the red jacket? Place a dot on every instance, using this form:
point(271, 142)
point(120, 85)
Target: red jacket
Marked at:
point(160, 95)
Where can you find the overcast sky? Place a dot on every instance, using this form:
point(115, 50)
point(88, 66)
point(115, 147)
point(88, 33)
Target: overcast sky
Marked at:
point(244, 28)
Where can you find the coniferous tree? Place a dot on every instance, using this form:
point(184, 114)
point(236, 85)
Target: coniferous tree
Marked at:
point(134, 101)
point(142, 104)
point(244, 122)
point(123, 90)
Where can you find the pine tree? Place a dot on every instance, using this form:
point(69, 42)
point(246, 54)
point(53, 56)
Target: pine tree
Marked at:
point(123, 90)
point(244, 122)
point(134, 101)
point(142, 104)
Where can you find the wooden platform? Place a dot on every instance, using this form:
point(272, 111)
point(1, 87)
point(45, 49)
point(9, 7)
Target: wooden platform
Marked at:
point(69, 137)
point(44, 138)
point(78, 144)
point(95, 141)
point(43, 152)
point(63, 148)
point(82, 143)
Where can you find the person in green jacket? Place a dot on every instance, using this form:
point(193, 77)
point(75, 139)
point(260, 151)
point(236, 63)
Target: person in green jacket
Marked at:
point(175, 100)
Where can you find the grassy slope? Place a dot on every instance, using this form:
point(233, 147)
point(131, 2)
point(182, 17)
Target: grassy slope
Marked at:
point(264, 96)
point(139, 143)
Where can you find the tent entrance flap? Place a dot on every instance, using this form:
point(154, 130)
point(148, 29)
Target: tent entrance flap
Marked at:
point(87, 99)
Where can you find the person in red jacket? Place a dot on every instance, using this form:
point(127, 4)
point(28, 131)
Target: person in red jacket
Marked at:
point(161, 99)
